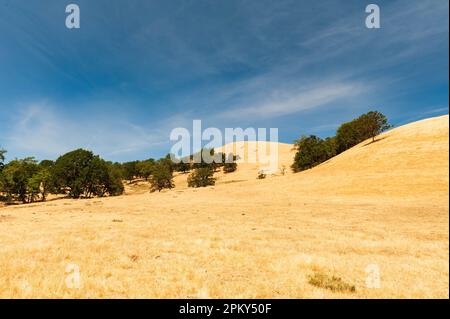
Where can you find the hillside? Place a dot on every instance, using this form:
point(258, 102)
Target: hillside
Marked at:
point(384, 204)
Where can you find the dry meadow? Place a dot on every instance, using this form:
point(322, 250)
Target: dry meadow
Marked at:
point(372, 222)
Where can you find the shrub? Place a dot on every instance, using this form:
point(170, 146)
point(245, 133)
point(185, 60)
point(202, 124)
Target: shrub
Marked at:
point(202, 177)
point(333, 283)
point(162, 176)
point(229, 162)
point(229, 167)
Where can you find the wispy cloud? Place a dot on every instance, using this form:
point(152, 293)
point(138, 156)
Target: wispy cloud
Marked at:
point(41, 130)
point(285, 103)
point(286, 63)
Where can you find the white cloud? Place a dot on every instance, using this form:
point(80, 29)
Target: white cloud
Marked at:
point(285, 103)
point(38, 129)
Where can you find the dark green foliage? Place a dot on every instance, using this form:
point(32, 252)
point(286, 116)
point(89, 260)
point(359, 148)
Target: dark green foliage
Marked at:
point(229, 167)
point(312, 150)
point(229, 163)
point(347, 136)
point(168, 163)
point(201, 177)
point(2, 158)
point(25, 180)
point(162, 176)
point(329, 147)
point(80, 173)
point(14, 179)
point(183, 167)
point(145, 168)
point(181, 164)
point(373, 123)
point(47, 164)
point(354, 132)
point(130, 170)
point(113, 184)
point(40, 184)
point(201, 161)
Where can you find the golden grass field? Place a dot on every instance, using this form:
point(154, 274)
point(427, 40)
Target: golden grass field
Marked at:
point(382, 204)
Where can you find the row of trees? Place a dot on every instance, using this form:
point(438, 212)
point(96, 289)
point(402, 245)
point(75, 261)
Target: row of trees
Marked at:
point(312, 150)
point(77, 174)
point(80, 173)
point(201, 170)
point(203, 174)
point(144, 169)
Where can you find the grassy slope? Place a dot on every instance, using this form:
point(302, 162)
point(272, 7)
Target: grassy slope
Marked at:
point(383, 204)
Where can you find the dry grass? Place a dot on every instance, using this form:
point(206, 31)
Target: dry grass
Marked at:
point(384, 204)
point(332, 283)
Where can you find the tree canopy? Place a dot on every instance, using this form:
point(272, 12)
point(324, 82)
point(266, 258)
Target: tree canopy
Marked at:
point(201, 177)
point(312, 150)
point(162, 176)
point(80, 173)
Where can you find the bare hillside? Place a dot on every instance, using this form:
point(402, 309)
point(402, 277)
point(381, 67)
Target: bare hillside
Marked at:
point(380, 208)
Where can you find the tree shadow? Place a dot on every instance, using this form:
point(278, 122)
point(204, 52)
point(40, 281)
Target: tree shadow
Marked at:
point(376, 140)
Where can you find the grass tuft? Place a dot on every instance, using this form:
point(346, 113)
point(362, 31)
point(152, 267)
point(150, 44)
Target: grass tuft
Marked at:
point(333, 283)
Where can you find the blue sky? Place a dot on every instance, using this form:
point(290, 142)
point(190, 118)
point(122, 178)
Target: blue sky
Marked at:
point(137, 69)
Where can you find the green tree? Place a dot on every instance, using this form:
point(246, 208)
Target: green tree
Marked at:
point(81, 173)
point(130, 170)
point(39, 184)
point(2, 158)
point(167, 162)
point(162, 176)
point(47, 164)
point(70, 172)
point(113, 184)
point(366, 126)
point(201, 161)
point(311, 151)
point(183, 166)
point(347, 136)
point(15, 177)
point(329, 146)
point(372, 124)
point(107, 179)
point(201, 177)
point(145, 168)
point(229, 163)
